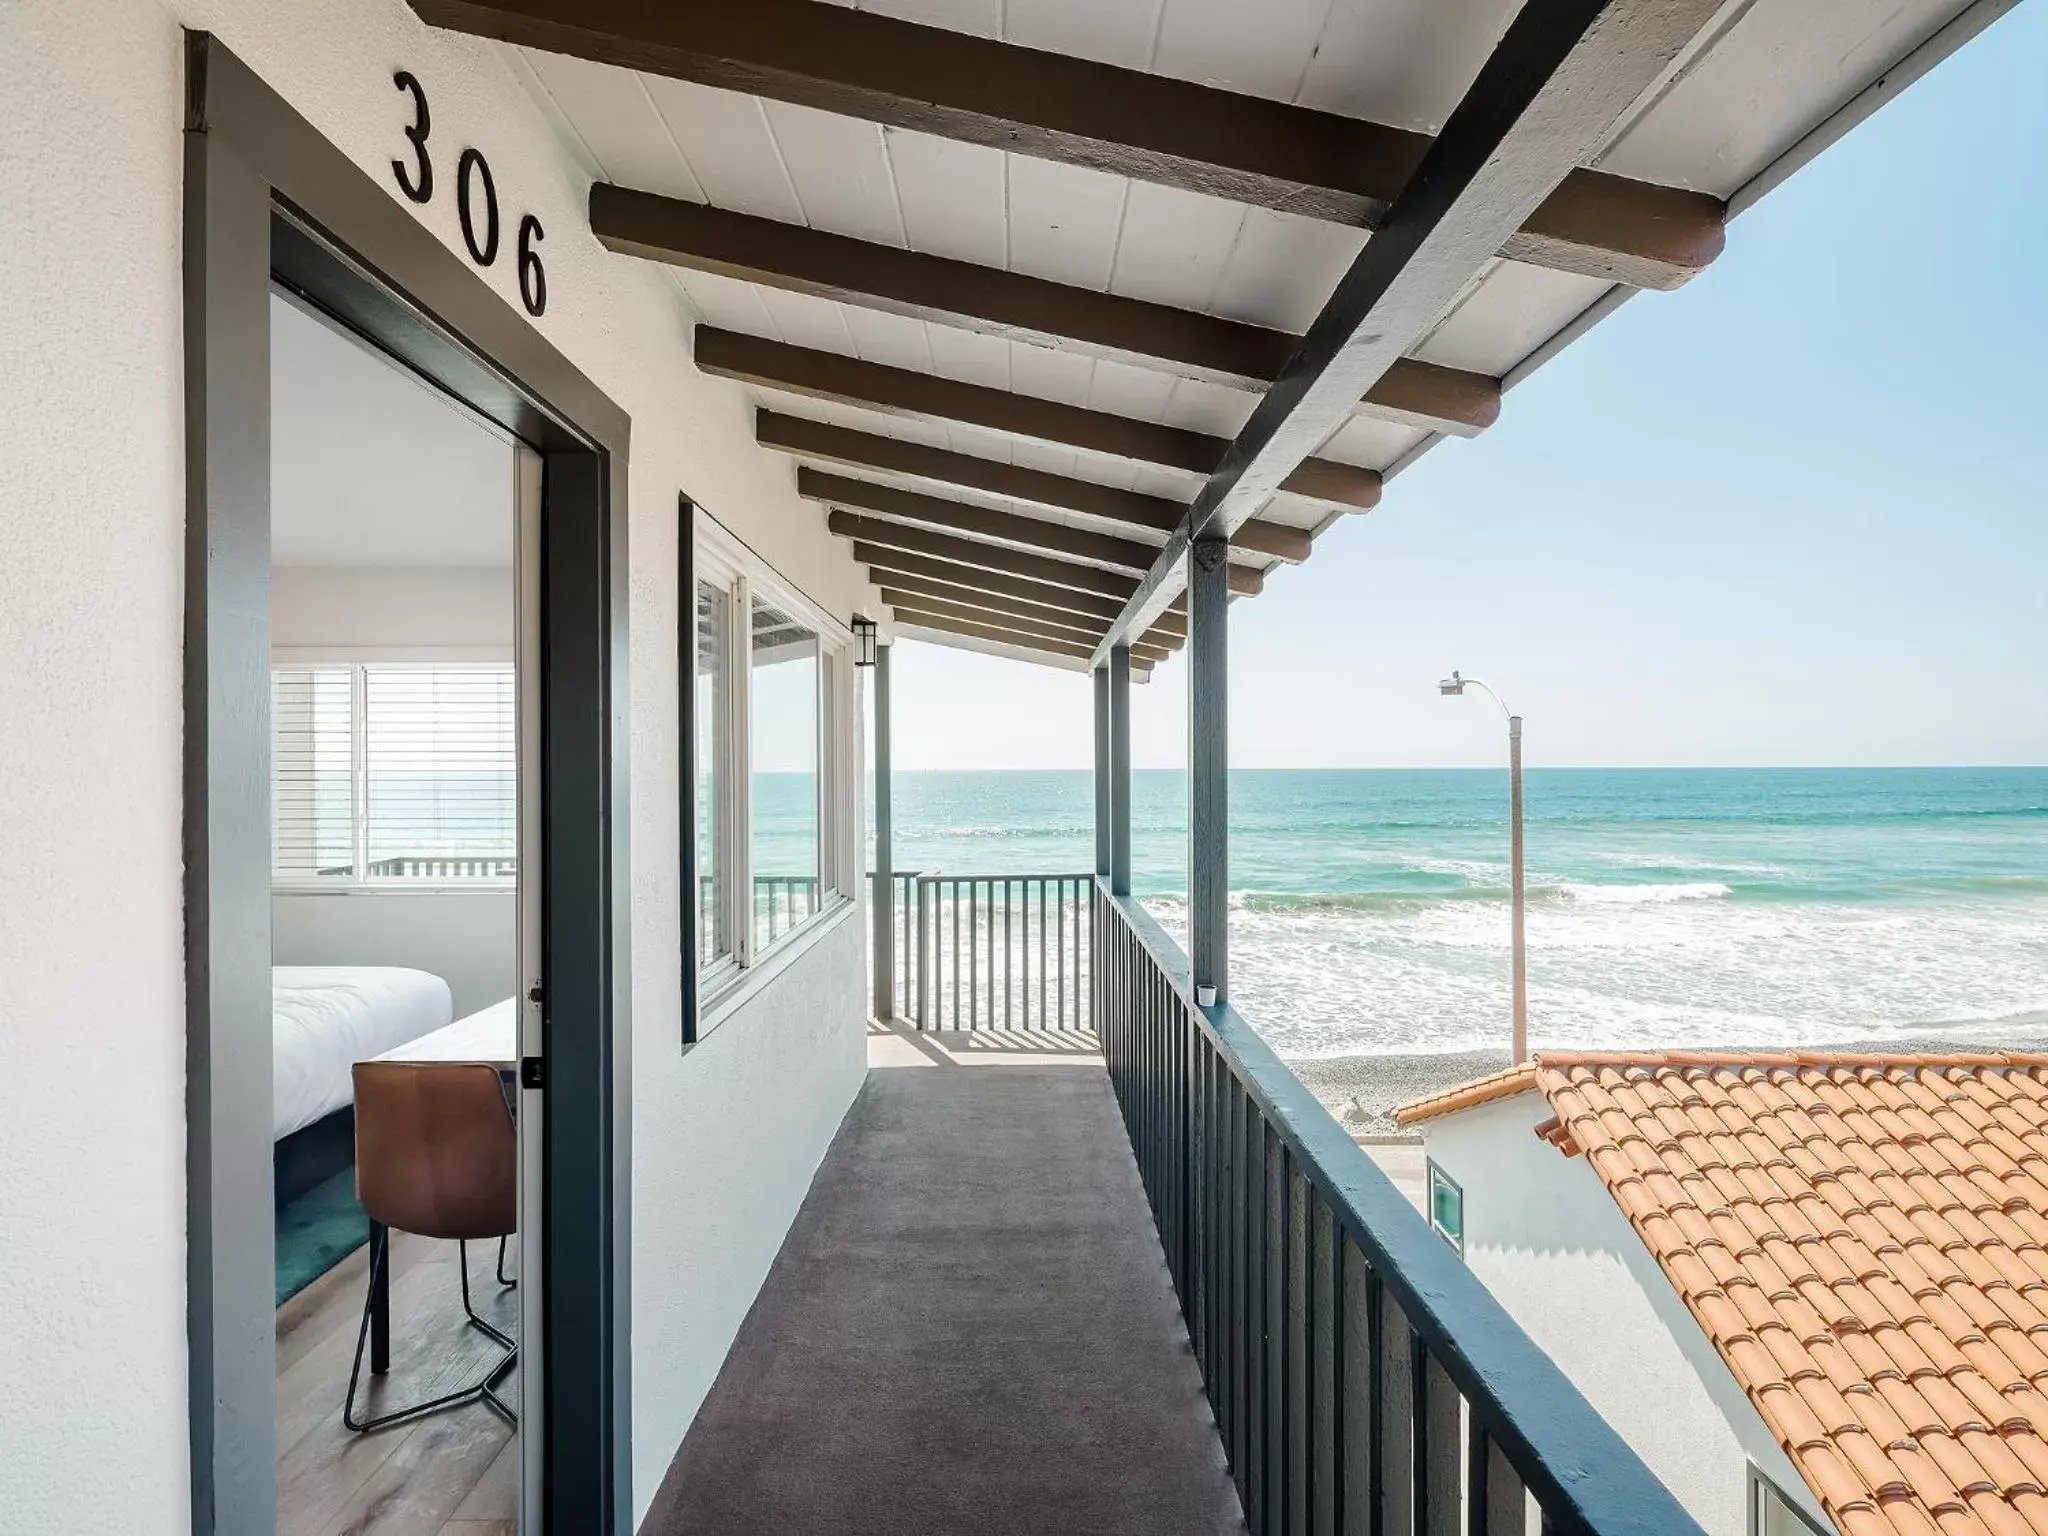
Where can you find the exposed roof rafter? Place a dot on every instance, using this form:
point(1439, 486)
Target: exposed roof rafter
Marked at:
point(1004, 618)
point(1049, 569)
point(1080, 112)
point(1088, 626)
point(809, 439)
point(1025, 533)
point(904, 567)
point(1075, 652)
point(1008, 304)
point(903, 392)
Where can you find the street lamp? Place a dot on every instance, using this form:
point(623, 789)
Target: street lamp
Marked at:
point(1453, 687)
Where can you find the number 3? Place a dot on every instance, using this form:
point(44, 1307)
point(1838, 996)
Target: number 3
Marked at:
point(421, 188)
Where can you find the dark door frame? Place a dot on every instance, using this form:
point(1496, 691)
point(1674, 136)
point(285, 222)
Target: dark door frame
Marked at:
point(268, 199)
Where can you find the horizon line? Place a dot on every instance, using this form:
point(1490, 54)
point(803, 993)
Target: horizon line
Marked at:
point(1528, 767)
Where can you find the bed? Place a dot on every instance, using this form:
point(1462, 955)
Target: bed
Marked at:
point(326, 1018)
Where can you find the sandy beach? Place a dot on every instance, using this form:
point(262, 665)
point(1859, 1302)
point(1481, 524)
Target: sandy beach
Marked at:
point(1361, 1091)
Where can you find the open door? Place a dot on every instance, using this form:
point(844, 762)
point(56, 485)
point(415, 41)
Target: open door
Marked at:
point(532, 1106)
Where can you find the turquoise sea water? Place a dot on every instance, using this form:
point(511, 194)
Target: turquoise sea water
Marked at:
point(1667, 906)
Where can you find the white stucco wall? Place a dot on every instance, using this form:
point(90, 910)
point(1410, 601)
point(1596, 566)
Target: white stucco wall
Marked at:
point(92, 1310)
point(1548, 1240)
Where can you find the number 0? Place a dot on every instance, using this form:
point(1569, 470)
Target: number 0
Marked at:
point(533, 279)
point(484, 251)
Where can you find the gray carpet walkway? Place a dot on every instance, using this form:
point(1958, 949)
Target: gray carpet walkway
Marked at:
point(969, 1329)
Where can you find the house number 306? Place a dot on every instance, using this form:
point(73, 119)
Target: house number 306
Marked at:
point(476, 199)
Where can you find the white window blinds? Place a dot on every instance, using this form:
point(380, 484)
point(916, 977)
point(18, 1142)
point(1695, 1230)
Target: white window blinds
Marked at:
point(389, 773)
point(312, 767)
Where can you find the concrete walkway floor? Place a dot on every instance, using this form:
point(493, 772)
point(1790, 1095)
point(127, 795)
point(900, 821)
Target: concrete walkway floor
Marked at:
point(970, 1328)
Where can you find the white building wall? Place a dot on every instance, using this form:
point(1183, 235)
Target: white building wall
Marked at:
point(1548, 1240)
point(92, 1307)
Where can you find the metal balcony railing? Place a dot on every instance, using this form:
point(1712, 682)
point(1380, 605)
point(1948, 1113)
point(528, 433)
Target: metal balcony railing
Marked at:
point(992, 951)
point(1361, 1377)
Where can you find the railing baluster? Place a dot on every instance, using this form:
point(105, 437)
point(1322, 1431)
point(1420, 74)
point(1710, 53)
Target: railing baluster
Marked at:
point(1268, 1360)
point(1044, 961)
point(925, 957)
point(1397, 1394)
point(1357, 1384)
point(1495, 1502)
point(1299, 1342)
point(1325, 1351)
point(1439, 1450)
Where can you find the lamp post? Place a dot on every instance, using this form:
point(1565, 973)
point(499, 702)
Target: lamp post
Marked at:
point(1452, 687)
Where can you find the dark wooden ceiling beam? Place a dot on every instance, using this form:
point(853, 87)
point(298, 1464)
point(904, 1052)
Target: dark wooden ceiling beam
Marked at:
point(1088, 626)
point(1129, 509)
point(901, 565)
point(1074, 651)
point(1007, 304)
point(1032, 534)
point(1551, 94)
point(1080, 112)
point(1051, 570)
point(1000, 618)
point(903, 392)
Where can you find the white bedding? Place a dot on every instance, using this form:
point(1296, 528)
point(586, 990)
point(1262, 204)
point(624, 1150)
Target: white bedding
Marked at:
point(326, 1018)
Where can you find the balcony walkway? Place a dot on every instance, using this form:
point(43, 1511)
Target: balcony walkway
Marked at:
point(970, 1327)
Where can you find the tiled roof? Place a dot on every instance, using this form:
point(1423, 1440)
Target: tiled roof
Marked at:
point(1501, 1085)
point(1865, 1240)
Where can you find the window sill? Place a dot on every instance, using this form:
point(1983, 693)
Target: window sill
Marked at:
point(738, 988)
point(396, 888)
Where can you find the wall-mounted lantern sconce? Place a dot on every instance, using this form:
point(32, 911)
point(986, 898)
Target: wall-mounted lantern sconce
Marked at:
point(864, 636)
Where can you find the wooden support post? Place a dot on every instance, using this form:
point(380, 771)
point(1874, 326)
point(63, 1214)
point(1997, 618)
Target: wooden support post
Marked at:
point(1209, 766)
point(885, 867)
point(1103, 810)
point(1120, 770)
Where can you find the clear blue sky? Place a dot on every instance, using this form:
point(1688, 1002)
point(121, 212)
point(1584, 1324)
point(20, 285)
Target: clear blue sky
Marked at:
point(1794, 513)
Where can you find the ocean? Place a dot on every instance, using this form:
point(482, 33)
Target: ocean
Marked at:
point(1667, 907)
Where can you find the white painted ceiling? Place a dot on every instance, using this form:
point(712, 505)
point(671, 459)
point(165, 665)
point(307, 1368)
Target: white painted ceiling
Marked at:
point(371, 467)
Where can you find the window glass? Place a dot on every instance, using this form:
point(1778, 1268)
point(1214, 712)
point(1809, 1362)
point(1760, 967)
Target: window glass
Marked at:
point(714, 645)
point(312, 801)
point(1446, 1207)
point(784, 695)
point(394, 773)
point(441, 792)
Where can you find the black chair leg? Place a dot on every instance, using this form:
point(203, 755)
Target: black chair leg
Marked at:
point(484, 1391)
point(513, 1282)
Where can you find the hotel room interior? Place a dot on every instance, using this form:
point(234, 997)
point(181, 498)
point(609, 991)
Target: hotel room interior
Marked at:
point(396, 934)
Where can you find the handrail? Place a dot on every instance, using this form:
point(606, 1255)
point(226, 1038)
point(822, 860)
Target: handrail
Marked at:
point(1580, 1471)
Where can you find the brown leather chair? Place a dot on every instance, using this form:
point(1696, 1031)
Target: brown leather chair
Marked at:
point(436, 1155)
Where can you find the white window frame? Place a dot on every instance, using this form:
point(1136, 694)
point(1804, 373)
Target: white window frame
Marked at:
point(722, 559)
point(1435, 1176)
point(1761, 1487)
point(357, 659)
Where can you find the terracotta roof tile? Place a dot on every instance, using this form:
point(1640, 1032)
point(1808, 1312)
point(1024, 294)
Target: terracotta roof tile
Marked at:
point(1865, 1240)
point(1500, 1085)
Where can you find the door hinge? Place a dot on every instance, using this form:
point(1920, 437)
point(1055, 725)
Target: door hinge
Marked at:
point(533, 1072)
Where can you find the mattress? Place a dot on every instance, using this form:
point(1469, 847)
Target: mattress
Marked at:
point(326, 1018)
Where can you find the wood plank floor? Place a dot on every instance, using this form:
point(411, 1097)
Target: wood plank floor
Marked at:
point(452, 1474)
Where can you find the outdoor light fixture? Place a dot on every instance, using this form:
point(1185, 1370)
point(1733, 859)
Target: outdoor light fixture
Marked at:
point(1452, 686)
point(864, 635)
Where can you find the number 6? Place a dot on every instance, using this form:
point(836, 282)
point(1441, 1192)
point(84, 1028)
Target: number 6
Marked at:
point(533, 280)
